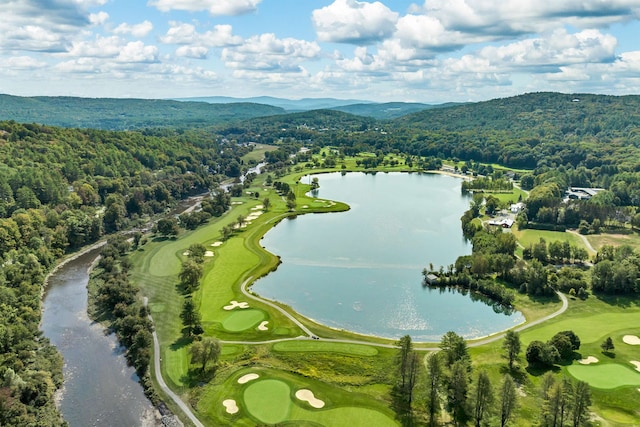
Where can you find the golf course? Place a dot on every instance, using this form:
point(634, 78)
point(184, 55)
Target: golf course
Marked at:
point(277, 366)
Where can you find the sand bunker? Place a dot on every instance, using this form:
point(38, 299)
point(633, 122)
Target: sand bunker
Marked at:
point(307, 396)
point(231, 406)
point(185, 253)
point(631, 339)
point(216, 244)
point(257, 208)
point(208, 253)
point(235, 304)
point(246, 378)
point(236, 203)
point(636, 364)
point(305, 207)
point(589, 360)
point(263, 326)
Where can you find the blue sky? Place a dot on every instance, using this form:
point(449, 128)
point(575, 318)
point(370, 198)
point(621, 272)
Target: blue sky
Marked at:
point(433, 51)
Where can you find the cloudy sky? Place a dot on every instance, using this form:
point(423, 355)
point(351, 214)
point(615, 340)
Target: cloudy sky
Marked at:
point(390, 50)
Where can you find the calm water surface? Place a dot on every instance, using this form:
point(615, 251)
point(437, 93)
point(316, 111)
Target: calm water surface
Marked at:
point(361, 270)
point(99, 388)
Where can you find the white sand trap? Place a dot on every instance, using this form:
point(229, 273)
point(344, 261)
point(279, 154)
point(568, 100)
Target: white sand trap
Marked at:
point(235, 304)
point(631, 339)
point(589, 360)
point(305, 207)
point(231, 406)
point(208, 253)
point(246, 378)
point(216, 244)
point(636, 364)
point(307, 396)
point(257, 208)
point(236, 203)
point(263, 326)
point(185, 253)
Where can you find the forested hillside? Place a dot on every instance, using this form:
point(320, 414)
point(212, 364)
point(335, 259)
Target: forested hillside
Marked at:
point(124, 114)
point(61, 189)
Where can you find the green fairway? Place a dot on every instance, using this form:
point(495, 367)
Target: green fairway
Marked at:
point(268, 401)
point(606, 376)
point(330, 347)
point(243, 320)
point(588, 328)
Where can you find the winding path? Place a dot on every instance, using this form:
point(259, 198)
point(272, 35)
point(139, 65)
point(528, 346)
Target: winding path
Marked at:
point(584, 240)
point(157, 372)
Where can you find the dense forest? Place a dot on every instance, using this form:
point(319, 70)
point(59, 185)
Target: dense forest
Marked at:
point(63, 188)
point(125, 114)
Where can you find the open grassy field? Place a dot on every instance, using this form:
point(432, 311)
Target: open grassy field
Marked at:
point(353, 380)
point(531, 237)
point(615, 239)
point(257, 154)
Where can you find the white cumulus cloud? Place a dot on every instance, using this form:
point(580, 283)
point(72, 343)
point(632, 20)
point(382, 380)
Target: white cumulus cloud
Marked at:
point(137, 30)
point(352, 21)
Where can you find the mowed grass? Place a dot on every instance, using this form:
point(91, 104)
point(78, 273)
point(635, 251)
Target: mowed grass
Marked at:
point(325, 347)
point(606, 376)
point(270, 399)
point(531, 237)
point(243, 320)
point(257, 154)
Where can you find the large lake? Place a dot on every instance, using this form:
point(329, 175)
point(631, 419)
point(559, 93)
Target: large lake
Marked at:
point(361, 270)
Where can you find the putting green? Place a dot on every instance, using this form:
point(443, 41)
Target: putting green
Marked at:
point(610, 375)
point(269, 401)
point(321, 346)
point(241, 320)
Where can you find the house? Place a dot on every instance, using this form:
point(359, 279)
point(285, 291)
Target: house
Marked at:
point(502, 222)
point(431, 279)
point(516, 208)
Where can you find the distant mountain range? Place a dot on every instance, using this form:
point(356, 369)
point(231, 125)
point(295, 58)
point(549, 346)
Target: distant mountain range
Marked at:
point(376, 110)
point(124, 114)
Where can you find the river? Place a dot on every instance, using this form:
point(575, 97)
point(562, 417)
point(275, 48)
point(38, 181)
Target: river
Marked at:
point(99, 388)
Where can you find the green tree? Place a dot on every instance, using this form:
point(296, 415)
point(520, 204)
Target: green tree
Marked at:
point(434, 384)
point(266, 203)
point(512, 347)
point(482, 398)
point(190, 275)
point(403, 360)
point(168, 227)
point(454, 348)
point(457, 393)
point(508, 399)
point(205, 351)
point(190, 315)
point(580, 404)
point(197, 251)
point(607, 345)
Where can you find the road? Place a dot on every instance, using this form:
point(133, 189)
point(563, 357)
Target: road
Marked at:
point(163, 386)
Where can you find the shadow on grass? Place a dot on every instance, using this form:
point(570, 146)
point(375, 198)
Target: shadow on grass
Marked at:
point(539, 370)
point(623, 301)
point(516, 373)
point(402, 408)
point(195, 377)
point(609, 354)
point(180, 343)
